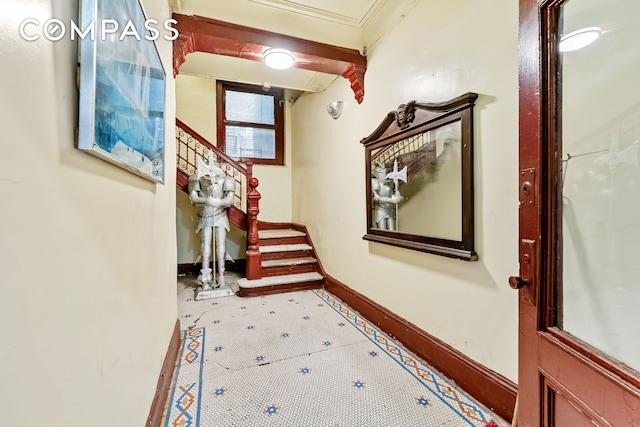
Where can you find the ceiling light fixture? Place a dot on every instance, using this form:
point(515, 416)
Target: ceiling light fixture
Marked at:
point(578, 39)
point(278, 58)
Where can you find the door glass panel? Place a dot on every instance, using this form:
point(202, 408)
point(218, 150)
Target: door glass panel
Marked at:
point(600, 98)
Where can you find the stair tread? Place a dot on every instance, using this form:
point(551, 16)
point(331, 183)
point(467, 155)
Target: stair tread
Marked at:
point(285, 248)
point(279, 280)
point(279, 233)
point(288, 261)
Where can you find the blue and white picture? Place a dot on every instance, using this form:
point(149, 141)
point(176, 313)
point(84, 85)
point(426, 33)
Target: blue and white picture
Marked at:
point(122, 89)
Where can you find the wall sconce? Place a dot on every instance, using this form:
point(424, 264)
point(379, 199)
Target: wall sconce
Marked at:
point(279, 59)
point(334, 109)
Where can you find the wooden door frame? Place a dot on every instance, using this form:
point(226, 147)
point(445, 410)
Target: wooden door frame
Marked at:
point(539, 233)
point(530, 211)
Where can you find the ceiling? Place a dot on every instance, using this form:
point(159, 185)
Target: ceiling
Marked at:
point(352, 24)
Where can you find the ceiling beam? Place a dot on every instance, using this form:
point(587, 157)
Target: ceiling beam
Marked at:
point(200, 34)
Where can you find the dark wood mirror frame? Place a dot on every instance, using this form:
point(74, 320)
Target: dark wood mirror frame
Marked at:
point(416, 120)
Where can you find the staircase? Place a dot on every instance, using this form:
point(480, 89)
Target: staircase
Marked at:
point(288, 262)
point(280, 257)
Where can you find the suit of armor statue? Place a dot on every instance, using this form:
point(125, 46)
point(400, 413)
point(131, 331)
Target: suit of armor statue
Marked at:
point(385, 199)
point(212, 193)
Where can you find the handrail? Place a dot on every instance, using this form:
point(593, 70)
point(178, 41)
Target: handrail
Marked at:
point(415, 152)
point(204, 141)
point(189, 146)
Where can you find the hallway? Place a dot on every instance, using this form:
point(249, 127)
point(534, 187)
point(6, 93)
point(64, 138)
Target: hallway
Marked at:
point(301, 359)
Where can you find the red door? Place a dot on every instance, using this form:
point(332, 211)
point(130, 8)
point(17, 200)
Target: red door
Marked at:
point(579, 283)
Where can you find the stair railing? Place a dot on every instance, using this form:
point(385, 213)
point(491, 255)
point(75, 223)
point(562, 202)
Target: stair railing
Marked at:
point(244, 212)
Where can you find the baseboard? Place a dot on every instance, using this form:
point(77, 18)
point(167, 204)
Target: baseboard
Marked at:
point(194, 268)
point(487, 387)
point(164, 381)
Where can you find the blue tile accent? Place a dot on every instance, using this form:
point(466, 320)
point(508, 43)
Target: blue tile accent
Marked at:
point(271, 409)
point(422, 401)
point(450, 396)
point(185, 409)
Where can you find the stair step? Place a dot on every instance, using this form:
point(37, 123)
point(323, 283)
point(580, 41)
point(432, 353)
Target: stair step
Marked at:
point(285, 248)
point(288, 262)
point(280, 280)
point(279, 233)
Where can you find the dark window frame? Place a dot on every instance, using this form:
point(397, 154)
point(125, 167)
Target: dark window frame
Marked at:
point(278, 127)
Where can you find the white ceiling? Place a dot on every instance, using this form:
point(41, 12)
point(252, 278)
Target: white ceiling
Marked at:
point(354, 24)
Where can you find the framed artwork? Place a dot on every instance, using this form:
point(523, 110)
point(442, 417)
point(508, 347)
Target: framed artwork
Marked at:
point(419, 178)
point(122, 88)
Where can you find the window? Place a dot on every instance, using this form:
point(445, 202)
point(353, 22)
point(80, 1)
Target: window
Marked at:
point(250, 123)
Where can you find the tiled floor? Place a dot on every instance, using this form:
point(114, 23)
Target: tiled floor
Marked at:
point(301, 359)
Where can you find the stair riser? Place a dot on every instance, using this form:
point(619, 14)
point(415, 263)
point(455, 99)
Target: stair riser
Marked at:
point(283, 241)
point(277, 289)
point(289, 269)
point(286, 255)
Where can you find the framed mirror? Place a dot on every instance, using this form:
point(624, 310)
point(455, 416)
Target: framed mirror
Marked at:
point(419, 178)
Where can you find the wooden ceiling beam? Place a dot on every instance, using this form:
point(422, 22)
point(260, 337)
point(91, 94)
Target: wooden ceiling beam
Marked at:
point(200, 34)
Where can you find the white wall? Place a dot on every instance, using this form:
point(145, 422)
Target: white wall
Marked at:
point(439, 51)
point(196, 107)
point(87, 249)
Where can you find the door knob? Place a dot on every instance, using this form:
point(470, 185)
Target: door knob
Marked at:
point(517, 282)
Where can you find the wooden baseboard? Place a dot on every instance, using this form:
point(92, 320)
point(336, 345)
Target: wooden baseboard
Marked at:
point(489, 388)
point(194, 268)
point(164, 381)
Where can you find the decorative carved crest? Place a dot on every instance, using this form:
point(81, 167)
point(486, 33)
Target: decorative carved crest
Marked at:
point(404, 115)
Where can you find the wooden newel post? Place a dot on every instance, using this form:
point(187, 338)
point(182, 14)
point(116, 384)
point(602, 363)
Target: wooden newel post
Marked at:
point(254, 257)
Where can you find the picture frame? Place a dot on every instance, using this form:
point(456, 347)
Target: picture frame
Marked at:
point(122, 88)
point(419, 178)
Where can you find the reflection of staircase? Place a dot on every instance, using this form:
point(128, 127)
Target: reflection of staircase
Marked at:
point(289, 262)
point(414, 152)
point(417, 160)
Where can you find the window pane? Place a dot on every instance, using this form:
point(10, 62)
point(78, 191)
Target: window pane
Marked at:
point(601, 180)
point(250, 107)
point(251, 142)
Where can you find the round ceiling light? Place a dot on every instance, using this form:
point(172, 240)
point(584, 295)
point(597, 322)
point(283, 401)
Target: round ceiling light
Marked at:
point(279, 58)
point(578, 39)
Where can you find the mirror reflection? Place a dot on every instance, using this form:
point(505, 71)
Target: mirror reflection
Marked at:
point(420, 178)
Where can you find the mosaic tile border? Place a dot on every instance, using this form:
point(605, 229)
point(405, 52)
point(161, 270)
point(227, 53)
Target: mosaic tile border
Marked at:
point(459, 403)
point(186, 396)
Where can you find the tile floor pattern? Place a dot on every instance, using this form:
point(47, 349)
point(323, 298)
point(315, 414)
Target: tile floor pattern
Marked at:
point(301, 359)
